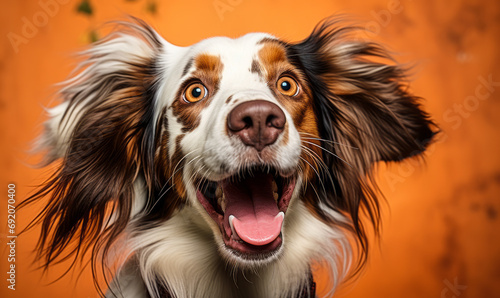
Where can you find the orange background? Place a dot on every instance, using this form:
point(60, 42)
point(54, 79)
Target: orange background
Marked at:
point(442, 219)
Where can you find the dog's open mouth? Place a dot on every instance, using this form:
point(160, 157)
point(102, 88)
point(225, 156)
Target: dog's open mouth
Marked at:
point(249, 209)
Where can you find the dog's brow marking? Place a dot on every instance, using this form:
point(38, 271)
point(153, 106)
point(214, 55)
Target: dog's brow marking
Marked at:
point(228, 100)
point(209, 68)
point(256, 67)
point(272, 53)
point(209, 63)
point(272, 57)
point(187, 67)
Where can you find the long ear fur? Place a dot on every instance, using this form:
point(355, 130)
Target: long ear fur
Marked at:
point(365, 114)
point(104, 133)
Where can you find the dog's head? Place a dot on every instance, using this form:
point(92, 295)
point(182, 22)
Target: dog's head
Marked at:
point(242, 130)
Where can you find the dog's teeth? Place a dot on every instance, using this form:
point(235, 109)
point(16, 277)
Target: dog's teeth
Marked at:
point(275, 186)
point(222, 203)
point(275, 196)
point(231, 218)
point(218, 192)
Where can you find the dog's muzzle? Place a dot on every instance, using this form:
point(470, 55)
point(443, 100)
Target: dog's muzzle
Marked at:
point(249, 206)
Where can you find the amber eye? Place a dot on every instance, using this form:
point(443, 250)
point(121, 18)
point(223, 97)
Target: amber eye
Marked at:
point(287, 86)
point(195, 92)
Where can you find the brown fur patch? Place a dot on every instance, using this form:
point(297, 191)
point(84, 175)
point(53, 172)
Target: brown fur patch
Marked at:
point(272, 58)
point(256, 67)
point(176, 164)
point(208, 71)
point(162, 154)
point(208, 63)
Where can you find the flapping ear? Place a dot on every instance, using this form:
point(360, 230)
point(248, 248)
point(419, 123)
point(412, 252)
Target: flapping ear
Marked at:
point(104, 134)
point(365, 114)
point(361, 99)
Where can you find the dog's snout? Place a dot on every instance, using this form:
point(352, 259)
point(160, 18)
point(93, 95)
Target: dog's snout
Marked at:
point(258, 123)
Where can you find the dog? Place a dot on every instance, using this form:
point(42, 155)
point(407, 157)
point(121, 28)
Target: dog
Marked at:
point(229, 168)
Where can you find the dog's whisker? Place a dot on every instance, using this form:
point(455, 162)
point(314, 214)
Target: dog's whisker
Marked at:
point(324, 167)
point(317, 174)
point(331, 142)
point(316, 192)
point(311, 143)
point(327, 141)
point(160, 196)
point(314, 156)
point(175, 171)
point(317, 160)
point(245, 277)
point(196, 174)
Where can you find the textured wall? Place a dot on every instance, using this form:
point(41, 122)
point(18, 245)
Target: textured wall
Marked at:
point(441, 223)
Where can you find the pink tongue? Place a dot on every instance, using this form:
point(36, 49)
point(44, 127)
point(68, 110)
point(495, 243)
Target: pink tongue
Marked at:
point(257, 220)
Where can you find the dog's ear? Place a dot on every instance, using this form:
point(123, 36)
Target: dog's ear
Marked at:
point(365, 114)
point(360, 98)
point(104, 134)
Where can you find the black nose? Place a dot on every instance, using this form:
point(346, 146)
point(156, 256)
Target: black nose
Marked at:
point(258, 123)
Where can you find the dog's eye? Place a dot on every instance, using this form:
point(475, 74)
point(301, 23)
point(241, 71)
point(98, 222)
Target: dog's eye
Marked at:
point(287, 86)
point(195, 92)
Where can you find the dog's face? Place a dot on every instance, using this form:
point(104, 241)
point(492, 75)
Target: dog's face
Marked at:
point(244, 131)
point(235, 121)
